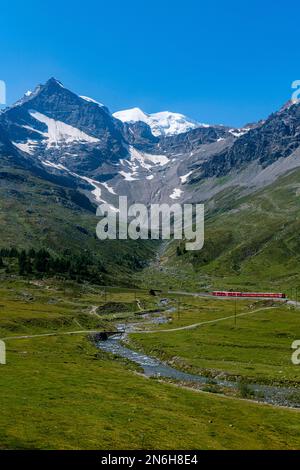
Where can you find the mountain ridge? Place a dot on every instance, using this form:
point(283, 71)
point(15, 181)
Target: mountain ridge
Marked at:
point(79, 139)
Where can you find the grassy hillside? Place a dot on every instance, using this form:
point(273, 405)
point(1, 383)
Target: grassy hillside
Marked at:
point(251, 242)
point(35, 213)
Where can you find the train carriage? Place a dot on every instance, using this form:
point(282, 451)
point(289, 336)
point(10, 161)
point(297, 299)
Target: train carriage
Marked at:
point(271, 295)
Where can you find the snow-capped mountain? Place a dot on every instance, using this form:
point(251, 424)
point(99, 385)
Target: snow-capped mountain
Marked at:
point(164, 123)
point(55, 123)
point(77, 138)
point(162, 157)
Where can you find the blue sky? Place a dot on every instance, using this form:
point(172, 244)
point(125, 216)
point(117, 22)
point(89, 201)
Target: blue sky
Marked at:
point(225, 62)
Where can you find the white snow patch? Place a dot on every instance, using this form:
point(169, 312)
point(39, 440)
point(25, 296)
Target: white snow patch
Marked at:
point(185, 177)
point(27, 147)
point(157, 159)
point(59, 132)
point(135, 155)
point(109, 188)
point(56, 166)
point(239, 132)
point(59, 83)
point(128, 176)
point(97, 193)
point(163, 123)
point(142, 158)
point(176, 193)
point(29, 128)
point(131, 115)
point(91, 100)
point(150, 177)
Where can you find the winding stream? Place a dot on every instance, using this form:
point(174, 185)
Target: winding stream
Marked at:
point(153, 367)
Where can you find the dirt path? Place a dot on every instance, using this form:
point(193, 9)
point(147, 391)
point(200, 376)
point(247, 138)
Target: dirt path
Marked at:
point(57, 333)
point(169, 330)
point(93, 311)
point(195, 325)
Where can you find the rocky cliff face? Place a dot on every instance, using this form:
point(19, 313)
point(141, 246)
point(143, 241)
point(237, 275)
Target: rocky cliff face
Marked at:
point(277, 137)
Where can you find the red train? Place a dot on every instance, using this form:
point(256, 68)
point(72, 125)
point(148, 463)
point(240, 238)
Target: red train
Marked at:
point(272, 295)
